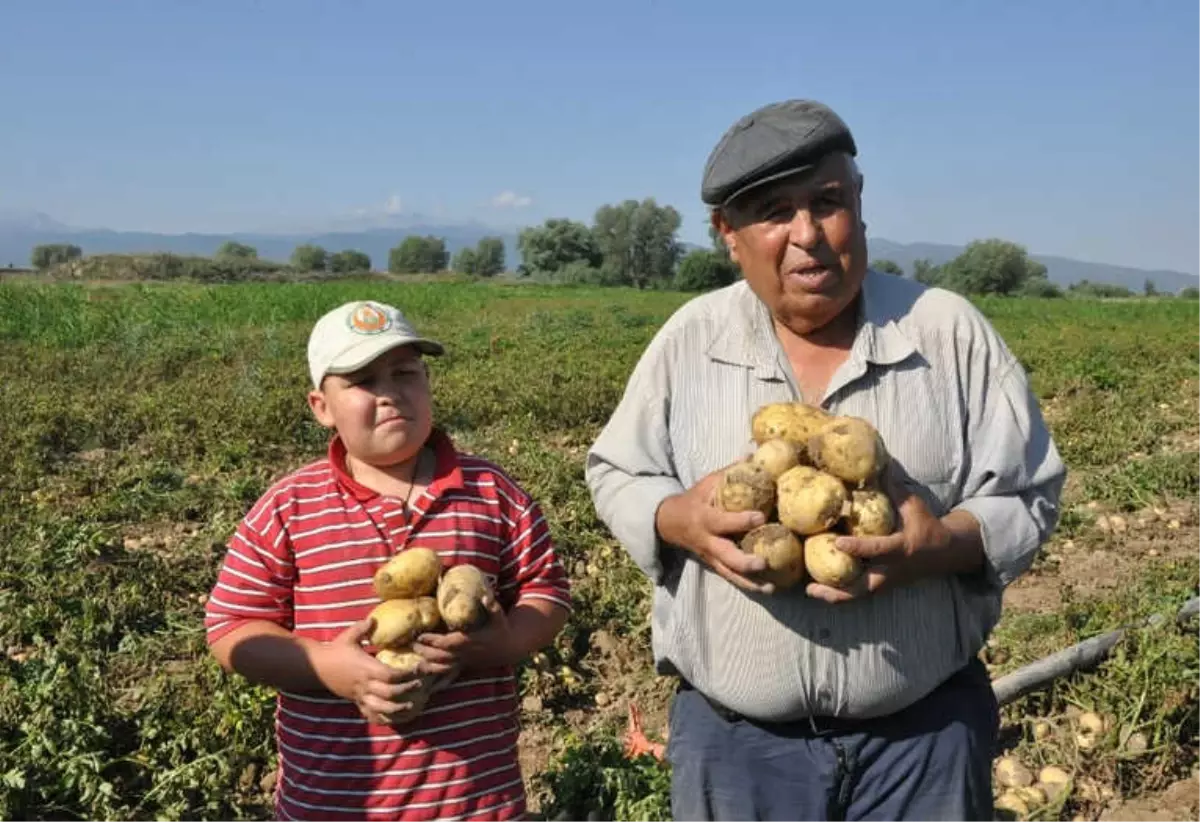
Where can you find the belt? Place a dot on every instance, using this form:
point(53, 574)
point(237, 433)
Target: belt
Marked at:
point(808, 726)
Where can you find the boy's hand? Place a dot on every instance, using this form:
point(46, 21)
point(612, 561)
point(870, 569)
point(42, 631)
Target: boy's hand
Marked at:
point(491, 646)
point(351, 673)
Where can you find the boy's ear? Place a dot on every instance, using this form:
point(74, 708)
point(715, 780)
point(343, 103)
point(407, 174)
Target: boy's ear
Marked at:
point(320, 408)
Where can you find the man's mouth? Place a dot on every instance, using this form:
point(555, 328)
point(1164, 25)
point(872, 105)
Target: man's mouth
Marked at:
point(809, 278)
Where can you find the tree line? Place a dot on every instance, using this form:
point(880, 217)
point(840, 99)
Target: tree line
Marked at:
point(635, 243)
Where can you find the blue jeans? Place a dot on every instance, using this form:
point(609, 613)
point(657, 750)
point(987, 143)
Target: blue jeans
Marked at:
point(932, 760)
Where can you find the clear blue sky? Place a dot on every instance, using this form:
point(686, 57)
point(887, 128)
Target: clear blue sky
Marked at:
point(1070, 126)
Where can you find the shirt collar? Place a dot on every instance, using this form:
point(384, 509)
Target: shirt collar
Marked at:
point(447, 472)
point(749, 340)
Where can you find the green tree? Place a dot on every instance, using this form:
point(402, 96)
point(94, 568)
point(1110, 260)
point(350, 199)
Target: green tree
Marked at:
point(348, 261)
point(637, 240)
point(489, 256)
point(888, 267)
point(991, 266)
point(550, 247)
point(924, 271)
point(419, 255)
point(704, 270)
point(237, 251)
point(1189, 293)
point(52, 254)
point(465, 261)
point(1149, 289)
point(310, 257)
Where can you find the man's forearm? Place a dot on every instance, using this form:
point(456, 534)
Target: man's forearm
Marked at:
point(269, 654)
point(960, 553)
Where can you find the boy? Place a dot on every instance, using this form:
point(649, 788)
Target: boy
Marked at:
point(290, 605)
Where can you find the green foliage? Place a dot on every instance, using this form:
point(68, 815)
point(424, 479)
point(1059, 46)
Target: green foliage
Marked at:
point(235, 250)
point(990, 267)
point(1086, 288)
point(349, 261)
point(1189, 293)
point(309, 257)
point(703, 270)
point(119, 493)
point(486, 259)
point(924, 271)
point(555, 244)
point(637, 241)
point(887, 267)
point(419, 255)
point(52, 254)
point(593, 779)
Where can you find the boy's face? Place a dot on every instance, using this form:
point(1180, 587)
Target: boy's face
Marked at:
point(383, 411)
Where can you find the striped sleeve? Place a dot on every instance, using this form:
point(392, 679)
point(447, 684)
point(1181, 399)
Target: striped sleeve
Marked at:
point(256, 576)
point(530, 567)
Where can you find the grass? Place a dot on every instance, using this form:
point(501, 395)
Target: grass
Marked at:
point(139, 421)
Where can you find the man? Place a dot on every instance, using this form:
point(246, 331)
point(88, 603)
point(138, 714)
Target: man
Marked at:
point(817, 703)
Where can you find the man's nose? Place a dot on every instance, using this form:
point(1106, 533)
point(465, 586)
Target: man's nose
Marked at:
point(804, 231)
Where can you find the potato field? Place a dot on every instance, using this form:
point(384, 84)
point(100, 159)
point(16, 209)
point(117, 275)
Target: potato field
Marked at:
point(138, 422)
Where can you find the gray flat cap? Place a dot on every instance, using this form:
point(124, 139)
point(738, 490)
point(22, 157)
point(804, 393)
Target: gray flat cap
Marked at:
point(775, 141)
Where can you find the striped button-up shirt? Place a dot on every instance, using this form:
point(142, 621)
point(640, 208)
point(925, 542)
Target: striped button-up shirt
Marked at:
point(955, 410)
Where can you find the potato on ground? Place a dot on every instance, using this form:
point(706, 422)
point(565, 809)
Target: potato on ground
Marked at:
point(409, 574)
point(460, 598)
point(746, 486)
point(397, 622)
point(794, 422)
point(827, 564)
point(776, 456)
point(809, 501)
point(870, 514)
point(781, 549)
point(850, 449)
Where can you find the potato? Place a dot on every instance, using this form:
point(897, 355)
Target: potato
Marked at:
point(460, 598)
point(850, 449)
point(1009, 801)
point(776, 456)
point(793, 422)
point(406, 660)
point(781, 549)
point(746, 486)
point(431, 618)
point(1011, 773)
point(397, 622)
point(402, 659)
point(809, 501)
point(828, 565)
point(870, 514)
point(1054, 782)
point(411, 573)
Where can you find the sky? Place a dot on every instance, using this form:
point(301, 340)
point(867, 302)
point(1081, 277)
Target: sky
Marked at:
point(1069, 126)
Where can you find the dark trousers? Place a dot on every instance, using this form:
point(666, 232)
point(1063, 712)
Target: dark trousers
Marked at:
point(933, 760)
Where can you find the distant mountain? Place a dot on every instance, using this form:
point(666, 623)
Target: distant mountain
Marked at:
point(21, 231)
point(1061, 270)
point(18, 238)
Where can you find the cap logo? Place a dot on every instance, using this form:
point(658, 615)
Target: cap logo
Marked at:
point(367, 319)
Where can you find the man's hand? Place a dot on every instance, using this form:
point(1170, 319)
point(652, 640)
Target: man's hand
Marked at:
point(691, 521)
point(924, 546)
point(491, 646)
point(350, 672)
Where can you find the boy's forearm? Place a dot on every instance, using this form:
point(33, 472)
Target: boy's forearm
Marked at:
point(533, 624)
point(269, 654)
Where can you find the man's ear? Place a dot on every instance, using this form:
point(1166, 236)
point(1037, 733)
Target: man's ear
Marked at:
point(320, 408)
point(724, 231)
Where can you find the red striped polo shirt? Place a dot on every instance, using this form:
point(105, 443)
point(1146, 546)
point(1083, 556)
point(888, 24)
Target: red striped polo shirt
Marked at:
point(304, 557)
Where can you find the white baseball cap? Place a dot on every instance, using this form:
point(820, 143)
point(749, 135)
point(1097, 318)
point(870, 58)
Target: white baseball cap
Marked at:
point(353, 334)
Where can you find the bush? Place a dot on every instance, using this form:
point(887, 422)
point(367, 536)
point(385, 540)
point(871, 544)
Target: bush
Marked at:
point(704, 271)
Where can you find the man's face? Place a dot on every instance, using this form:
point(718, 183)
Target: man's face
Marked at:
point(800, 243)
point(383, 412)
